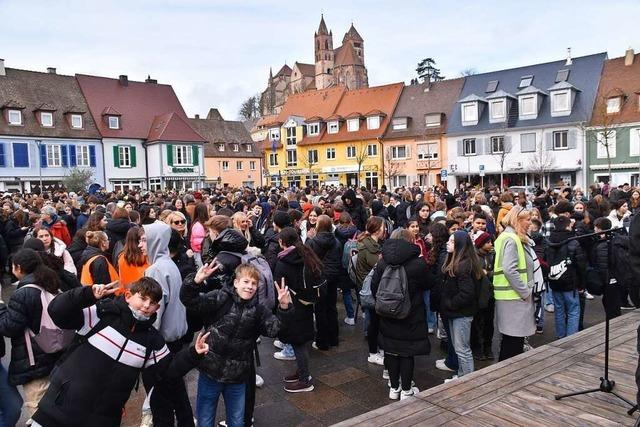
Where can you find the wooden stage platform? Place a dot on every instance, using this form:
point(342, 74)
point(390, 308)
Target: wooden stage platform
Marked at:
point(521, 391)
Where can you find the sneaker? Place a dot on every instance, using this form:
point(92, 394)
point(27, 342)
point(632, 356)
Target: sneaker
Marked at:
point(350, 321)
point(627, 306)
point(408, 393)
point(431, 331)
point(394, 394)
point(222, 423)
point(278, 344)
point(443, 366)
point(539, 330)
point(318, 347)
point(376, 359)
point(292, 378)
point(299, 386)
point(587, 295)
point(549, 308)
point(259, 381)
point(281, 355)
point(258, 340)
point(453, 378)
point(147, 419)
point(385, 374)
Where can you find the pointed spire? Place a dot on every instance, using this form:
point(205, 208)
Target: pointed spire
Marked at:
point(270, 72)
point(352, 34)
point(322, 28)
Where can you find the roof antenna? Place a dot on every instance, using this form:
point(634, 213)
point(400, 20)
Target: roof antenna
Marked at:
point(569, 61)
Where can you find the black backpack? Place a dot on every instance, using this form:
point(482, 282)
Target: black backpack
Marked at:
point(392, 297)
point(620, 265)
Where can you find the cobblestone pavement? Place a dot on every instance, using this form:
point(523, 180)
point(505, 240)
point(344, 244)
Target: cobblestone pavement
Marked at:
point(346, 385)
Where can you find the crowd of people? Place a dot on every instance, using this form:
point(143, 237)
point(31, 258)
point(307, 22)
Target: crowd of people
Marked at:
point(111, 288)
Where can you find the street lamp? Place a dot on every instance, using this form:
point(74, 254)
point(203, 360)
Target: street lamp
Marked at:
point(39, 144)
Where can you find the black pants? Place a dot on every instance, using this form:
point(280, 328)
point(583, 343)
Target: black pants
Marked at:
point(510, 346)
point(250, 395)
point(372, 331)
point(482, 330)
point(170, 400)
point(583, 302)
point(327, 316)
point(400, 370)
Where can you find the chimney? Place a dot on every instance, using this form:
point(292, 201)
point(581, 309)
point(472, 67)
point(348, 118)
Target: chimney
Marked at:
point(628, 57)
point(569, 61)
point(197, 116)
point(150, 80)
point(124, 80)
point(51, 70)
point(2, 70)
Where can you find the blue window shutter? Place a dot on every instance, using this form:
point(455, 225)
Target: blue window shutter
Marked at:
point(2, 158)
point(72, 156)
point(20, 155)
point(65, 155)
point(43, 156)
point(92, 156)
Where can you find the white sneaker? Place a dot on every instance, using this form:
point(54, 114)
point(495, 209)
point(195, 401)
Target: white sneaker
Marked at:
point(394, 394)
point(350, 321)
point(385, 374)
point(314, 346)
point(431, 331)
point(147, 419)
point(258, 340)
point(281, 356)
point(442, 366)
point(278, 344)
point(259, 381)
point(453, 378)
point(407, 394)
point(587, 295)
point(376, 359)
point(549, 308)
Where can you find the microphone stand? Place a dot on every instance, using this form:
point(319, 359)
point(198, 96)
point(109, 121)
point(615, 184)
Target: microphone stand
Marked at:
point(607, 385)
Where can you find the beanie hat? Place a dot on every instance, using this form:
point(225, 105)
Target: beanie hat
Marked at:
point(35, 244)
point(481, 238)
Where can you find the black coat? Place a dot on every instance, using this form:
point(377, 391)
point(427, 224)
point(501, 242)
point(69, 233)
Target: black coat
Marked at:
point(14, 235)
point(459, 296)
point(234, 324)
point(356, 210)
point(408, 336)
point(229, 240)
point(24, 311)
point(328, 249)
point(437, 278)
point(556, 253)
point(300, 330)
point(76, 248)
point(271, 247)
point(117, 230)
point(89, 383)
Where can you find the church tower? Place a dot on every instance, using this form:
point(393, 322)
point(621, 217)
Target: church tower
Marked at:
point(323, 42)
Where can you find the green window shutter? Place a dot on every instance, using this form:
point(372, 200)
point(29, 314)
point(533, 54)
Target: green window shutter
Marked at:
point(196, 155)
point(116, 156)
point(132, 153)
point(170, 154)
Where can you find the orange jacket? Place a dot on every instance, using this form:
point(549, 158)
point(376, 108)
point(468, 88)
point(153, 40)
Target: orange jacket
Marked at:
point(129, 273)
point(87, 279)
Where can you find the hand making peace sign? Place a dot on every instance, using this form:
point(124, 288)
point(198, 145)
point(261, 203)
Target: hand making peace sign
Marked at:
point(284, 297)
point(205, 271)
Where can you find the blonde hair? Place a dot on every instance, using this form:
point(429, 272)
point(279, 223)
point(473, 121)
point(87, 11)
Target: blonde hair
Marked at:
point(96, 238)
point(512, 219)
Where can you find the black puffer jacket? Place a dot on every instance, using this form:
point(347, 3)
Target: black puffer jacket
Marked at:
point(271, 247)
point(327, 247)
point(353, 205)
point(459, 296)
point(76, 249)
point(229, 240)
point(233, 335)
point(117, 230)
point(24, 311)
point(437, 278)
point(14, 235)
point(290, 267)
point(405, 337)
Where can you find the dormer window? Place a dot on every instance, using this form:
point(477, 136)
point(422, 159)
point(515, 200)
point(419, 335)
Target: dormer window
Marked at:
point(525, 81)
point(221, 146)
point(292, 138)
point(15, 117)
point(433, 120)
point(274, 134)
point(236, 148)
point(562, 76)
point(353, 125)
point(560, 101)
point(491, 86)
point(470, 113)
point(373, 122)
point(613, 104)
point(313, 129)
point(249, 148)
point(333, 127)
point(528, 105)
point(46, 119)
point(497, 110)
point(76, 121)
point(399, 123)
point(114, 122)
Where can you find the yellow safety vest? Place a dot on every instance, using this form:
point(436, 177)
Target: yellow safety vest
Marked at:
point(502, 290)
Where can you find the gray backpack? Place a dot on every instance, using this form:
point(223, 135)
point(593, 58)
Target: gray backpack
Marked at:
point(266, 293)
point(366, 297)
point(50, 338)
point(392, 298)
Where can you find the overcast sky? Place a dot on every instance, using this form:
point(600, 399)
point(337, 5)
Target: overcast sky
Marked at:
point(217, 53)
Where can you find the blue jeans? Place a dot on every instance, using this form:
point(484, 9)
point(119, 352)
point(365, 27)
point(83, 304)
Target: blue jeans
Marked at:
point(10, 401)
point(460, 334)
point(452, 358)
point(347, 299)
point(567, 312)
point(430, 315)
point(548, 297)
point(209, 391)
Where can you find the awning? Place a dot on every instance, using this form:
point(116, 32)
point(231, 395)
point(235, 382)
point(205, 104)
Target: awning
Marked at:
point(614, 166)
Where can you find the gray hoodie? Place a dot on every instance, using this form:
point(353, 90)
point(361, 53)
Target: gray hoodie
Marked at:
point(172, 318)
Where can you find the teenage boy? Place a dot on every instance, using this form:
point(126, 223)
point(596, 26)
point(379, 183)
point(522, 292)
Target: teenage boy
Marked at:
point(567, 264)
point(115, 342)
point(235, 320)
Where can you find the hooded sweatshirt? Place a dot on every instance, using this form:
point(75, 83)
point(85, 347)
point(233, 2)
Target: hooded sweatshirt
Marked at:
point(172, 320)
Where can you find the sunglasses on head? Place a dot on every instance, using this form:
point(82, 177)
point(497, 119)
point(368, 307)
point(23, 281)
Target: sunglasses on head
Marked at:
point(179, 222)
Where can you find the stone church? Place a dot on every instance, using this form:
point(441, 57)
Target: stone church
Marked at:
point(343, 66)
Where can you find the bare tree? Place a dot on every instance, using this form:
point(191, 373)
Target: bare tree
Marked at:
point(500, 147)
point(391, 167)
point(542, 163)
point(309, 162)
point(606, 124)
point(250, 108)
point(361, 156)
point(468, 72)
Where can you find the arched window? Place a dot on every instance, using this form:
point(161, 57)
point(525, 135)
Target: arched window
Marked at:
point(326, 44)
point(318, 44)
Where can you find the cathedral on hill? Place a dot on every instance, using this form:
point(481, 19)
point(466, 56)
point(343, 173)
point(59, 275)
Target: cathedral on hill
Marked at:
point(342, 66)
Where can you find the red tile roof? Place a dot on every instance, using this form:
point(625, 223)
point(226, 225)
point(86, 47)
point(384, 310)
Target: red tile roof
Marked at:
point(618, 79)
point(311, 103)
point(139, 103)
point(306, 69)
point(172, 127)
point(346, 55)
